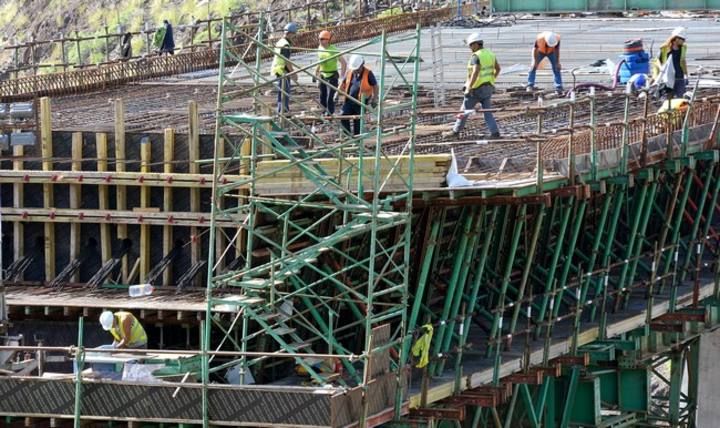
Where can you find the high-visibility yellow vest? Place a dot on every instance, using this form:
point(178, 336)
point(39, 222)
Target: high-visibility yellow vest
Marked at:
point(328, 65)
point(137, 332)
point(665, 52)
point(487, 68)
point(279, 61)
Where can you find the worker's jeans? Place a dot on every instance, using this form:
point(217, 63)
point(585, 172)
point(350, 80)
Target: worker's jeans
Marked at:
point(679, 88)
point(283, 94)
point(351, 108)
point(482, 95)
point(553, 58)
point(327, 93)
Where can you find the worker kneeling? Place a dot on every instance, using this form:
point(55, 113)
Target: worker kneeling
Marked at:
point(126, 330)
point(359, 84)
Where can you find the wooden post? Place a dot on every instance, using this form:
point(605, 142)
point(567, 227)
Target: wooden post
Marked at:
point(75, 198)
point(18, 201)
point(193, 168)
point(121, 166)
point(64, 55)
point(77, 45)
point(145, 154)
point(48, 200)
point(107, 44)
point(168, 150)
point(32, 56)
point(103, 197)
point(220, 238)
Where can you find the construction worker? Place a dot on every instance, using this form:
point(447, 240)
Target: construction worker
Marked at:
point(164, 40)
point(479, 87)
point(360, 84)
point(327, 71)
point(281, 67)
point(547, 45)
point(675, 48)
point(126, 330)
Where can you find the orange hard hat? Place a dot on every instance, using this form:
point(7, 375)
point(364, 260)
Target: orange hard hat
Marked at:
point(325, 35)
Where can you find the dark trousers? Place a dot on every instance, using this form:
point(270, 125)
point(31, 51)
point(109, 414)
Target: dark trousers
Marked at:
point(351, 108)
point(283, 94)
point(327, 93)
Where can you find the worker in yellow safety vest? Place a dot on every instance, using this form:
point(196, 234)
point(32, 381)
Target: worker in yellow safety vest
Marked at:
point(675, 49)
point(281, 67)
point(327, 71)
point(547, 45)
point(479, 87)
point(126, 330)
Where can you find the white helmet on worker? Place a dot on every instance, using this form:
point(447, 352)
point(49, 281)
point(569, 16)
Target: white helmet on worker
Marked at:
point(679, 32)
point(106, 320)
point(356, 61)
point(474, 38)
point(551, 39)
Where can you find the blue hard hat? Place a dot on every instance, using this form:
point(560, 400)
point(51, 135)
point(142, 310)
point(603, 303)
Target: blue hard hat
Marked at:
point(640, 81)
point(291, 27)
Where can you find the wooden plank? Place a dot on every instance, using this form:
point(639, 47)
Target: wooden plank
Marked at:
point(145, 158)
point(193, 168)
point(75, 198)
point(153, 179)
point(18, 202)
point(168, 150)
point(121, 166)
point(48, 197)
point(106, 217)
point(101, 147)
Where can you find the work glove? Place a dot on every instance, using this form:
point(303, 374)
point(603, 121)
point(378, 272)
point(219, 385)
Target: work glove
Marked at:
point(373, 103)
point(314, 79)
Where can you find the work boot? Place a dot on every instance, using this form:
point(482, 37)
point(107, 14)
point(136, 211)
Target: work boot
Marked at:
point(530, 88)
point(560, 92)
point(450, 134)
point(495, 136)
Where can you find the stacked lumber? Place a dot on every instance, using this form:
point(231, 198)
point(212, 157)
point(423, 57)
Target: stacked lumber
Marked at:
point(276, 178)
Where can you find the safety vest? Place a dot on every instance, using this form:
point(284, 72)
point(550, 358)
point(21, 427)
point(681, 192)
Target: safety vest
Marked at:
point(328, 65)
point(365, 88)
point(487, 68)
point(137, 332)
point(279, 61)
point(542, 46)
point(665, 52)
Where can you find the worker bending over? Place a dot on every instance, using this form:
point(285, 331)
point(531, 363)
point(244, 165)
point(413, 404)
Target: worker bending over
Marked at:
point(126, 330)
point(281, 67)
point(359, 84)
point(327, 71)
point(675, 49)
point(479, 87)
point(547, 45)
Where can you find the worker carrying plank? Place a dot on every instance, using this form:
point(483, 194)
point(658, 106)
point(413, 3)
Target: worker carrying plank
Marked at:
point(547, 45)
point(281, 67)
point(126, 330)
point(359, 84)
point(483, 69)
point(327, 71)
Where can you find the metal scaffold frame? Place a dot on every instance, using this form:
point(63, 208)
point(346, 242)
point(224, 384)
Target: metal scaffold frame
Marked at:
point(323, 271)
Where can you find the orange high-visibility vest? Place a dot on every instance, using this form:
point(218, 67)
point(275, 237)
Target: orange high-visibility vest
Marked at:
point(365, 88)
point(542, 47)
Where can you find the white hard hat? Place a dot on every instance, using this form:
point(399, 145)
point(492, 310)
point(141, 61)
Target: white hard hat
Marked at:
point(680, 32)
point(474, 38)
point(551, 39)
point(106, 320)
point(356, 61)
